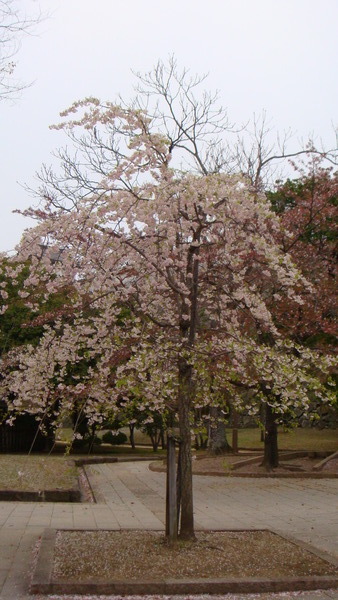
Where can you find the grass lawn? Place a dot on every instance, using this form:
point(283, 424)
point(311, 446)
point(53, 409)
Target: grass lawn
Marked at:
point(320, 440)
point(314, 440)
point(35, 473)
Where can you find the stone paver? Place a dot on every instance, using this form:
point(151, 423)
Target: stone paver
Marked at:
point(132, 496)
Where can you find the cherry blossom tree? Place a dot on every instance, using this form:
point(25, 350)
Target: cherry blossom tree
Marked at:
point(189, 252)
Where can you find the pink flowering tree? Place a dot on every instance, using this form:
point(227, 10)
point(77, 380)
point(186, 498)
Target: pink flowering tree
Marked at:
point(173, 269)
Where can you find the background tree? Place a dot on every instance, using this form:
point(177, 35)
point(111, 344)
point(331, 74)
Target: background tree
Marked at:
point(308, 210)
point(307, 207)
point(16, 316)
point(21, 329)
point(20, 322)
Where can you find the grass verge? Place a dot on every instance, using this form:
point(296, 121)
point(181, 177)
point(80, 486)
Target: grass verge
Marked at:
point(313, 440)
point(32, 472)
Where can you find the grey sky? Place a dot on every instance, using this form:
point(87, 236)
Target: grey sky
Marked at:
point(277, 55)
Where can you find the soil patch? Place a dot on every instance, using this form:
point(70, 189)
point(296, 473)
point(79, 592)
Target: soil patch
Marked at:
point(297, 466)
point(292, 464)
point(143, 562)
point(129, 555)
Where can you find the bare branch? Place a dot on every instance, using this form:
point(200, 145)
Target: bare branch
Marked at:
point(192, 123)
point(14, 25)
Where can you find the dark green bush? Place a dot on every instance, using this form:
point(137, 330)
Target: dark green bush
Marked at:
point(114, 437)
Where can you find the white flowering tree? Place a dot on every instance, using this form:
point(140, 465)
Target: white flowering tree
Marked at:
point(173, 271)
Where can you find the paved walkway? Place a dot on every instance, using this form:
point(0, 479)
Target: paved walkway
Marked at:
point(131, 496)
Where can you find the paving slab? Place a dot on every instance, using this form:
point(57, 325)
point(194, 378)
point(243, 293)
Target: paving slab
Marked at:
point(130, 495)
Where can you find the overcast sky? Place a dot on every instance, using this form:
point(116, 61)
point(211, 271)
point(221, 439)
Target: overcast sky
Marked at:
point(274, 55)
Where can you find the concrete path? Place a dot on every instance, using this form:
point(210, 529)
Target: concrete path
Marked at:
point(131, 496)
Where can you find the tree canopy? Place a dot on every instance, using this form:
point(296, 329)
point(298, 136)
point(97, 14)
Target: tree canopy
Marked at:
point(308, 210)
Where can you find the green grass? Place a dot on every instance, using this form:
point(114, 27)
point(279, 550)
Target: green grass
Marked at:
point(314, 440)
point(126, 450)
point(107, 449)
point(141, 439)
point(35, 473)
point(320, 440)
point(325, 440)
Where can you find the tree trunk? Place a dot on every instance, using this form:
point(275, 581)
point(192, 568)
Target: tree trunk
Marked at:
point(235, 431)
point(171, 526)
point(186, 530)
point(178, 486)
point(262, 419)
point(155, 437)
point(271, 458)
point(218, 443)
point(131, 435)
point(188, 325)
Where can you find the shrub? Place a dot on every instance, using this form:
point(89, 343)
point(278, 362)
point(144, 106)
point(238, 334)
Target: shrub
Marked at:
point(114, 437)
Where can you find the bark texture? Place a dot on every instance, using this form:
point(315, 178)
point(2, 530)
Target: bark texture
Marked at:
point(186, 530)
point(271, 457)
point(218, 443)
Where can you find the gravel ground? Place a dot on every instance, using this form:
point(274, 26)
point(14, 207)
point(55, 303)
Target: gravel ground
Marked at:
point(280, 596)
point(135, 555)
